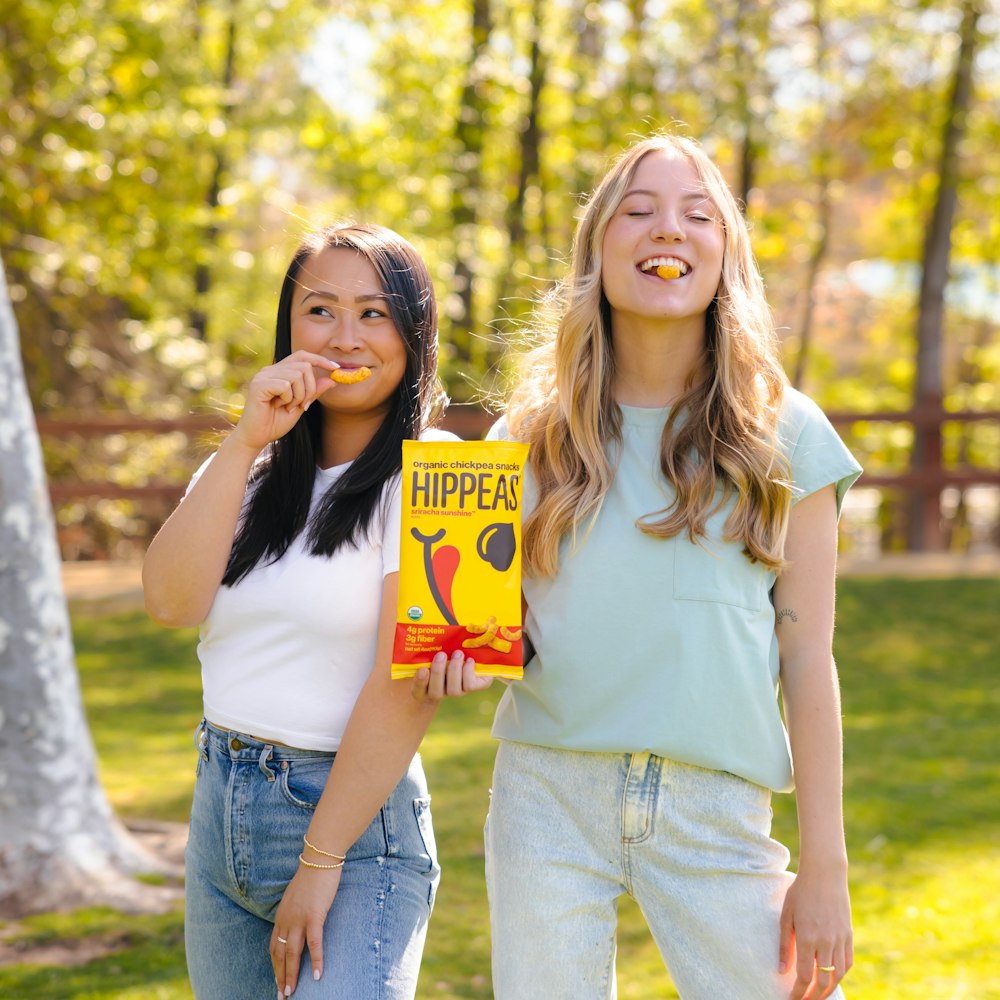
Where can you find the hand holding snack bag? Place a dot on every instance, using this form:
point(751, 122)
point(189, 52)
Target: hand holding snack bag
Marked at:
point(460, 555)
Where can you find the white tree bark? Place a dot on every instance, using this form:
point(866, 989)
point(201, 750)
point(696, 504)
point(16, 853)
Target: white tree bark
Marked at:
point(60, 844)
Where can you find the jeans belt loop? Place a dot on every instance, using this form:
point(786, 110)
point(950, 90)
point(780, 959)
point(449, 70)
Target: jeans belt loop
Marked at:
point(265, 756)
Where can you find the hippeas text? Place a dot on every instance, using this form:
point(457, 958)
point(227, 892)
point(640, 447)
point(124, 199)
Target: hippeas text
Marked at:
point(488, 485)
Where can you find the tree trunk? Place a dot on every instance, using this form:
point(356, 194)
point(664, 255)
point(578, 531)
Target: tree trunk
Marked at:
point(530, 162)
point(824, 213)
point(815, 264)
point(924, 533)
point(637, 84)
point(60, 844)
point(748, 153)
point(467, 180)
point(203, 271)
point(743, 32)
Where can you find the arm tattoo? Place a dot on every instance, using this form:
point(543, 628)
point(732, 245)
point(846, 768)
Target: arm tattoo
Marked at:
point(786, 613)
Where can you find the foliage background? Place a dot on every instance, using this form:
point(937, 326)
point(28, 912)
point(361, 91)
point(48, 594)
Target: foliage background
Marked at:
point(161, 159)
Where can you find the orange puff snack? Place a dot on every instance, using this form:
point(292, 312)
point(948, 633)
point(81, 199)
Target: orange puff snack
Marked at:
point(668, 271)
point(348, 376)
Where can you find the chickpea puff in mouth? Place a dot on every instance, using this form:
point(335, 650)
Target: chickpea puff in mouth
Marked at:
point(667, 268)
point(349, 376)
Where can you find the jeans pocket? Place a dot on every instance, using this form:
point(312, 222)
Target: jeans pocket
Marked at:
point(201, 745)
point(302, 781)
point(427, 859)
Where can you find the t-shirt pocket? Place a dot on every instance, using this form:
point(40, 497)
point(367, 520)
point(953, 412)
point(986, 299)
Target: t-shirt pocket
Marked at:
point(717, 571)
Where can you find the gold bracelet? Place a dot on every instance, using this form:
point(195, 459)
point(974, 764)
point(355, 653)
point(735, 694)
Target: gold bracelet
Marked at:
point(309, 864)
point(326, 854)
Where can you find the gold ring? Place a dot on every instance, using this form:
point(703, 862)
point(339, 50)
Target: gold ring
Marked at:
point(822, 968)
point(282, 940)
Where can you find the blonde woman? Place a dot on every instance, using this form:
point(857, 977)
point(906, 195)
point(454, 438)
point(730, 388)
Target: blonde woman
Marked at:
point(680, 544)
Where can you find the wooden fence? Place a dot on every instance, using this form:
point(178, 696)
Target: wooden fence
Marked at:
point(470, 422)
point(466, 421)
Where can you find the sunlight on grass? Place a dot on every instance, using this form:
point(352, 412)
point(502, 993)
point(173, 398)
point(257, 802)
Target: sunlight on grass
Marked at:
point(930, 927)
point(142, 691)
point(146, 959)
point(919, 667)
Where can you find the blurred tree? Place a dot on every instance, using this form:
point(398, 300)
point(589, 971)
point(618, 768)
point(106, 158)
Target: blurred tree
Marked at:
point(138, 176)
point(528, 163)
point(467, 175)
point(217, 170)
point(925, 528)
point(824, 201)
point(60, 845)
point(132, 209)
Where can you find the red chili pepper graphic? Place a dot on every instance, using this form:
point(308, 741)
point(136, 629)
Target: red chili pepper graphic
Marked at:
point(445, 562)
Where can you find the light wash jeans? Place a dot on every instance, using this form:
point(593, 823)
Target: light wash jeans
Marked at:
point(252, 804)
point(568, 833)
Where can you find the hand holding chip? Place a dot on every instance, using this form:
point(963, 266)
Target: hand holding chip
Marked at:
point(278, 395)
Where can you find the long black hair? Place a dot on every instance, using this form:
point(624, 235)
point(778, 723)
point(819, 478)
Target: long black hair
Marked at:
point(281, 484)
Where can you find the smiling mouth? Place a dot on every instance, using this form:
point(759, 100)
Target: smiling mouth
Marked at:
point(665, 267)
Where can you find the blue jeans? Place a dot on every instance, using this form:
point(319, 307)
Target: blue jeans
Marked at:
point(569, 833)
point(252, 804)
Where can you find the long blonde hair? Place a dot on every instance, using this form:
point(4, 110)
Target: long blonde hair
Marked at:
point(726, 442)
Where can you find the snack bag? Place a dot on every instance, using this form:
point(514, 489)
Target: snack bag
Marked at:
point(460, 555)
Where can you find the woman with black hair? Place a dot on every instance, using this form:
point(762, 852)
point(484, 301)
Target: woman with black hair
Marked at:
point(310, 826)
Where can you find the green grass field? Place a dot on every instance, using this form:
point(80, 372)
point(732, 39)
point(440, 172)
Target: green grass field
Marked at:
point(919, 665)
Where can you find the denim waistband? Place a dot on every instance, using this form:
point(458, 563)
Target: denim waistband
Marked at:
point(242, 746)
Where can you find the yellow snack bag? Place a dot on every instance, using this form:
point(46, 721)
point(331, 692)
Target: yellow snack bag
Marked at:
point(460, 555)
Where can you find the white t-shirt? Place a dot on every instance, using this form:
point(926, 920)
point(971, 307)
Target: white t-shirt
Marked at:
point(285, 652)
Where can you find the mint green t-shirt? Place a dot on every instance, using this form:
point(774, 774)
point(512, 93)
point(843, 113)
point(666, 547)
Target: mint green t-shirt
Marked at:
point(662, 645)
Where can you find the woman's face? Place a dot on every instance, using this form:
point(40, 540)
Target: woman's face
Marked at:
point(340, 311)
point(665, 218)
